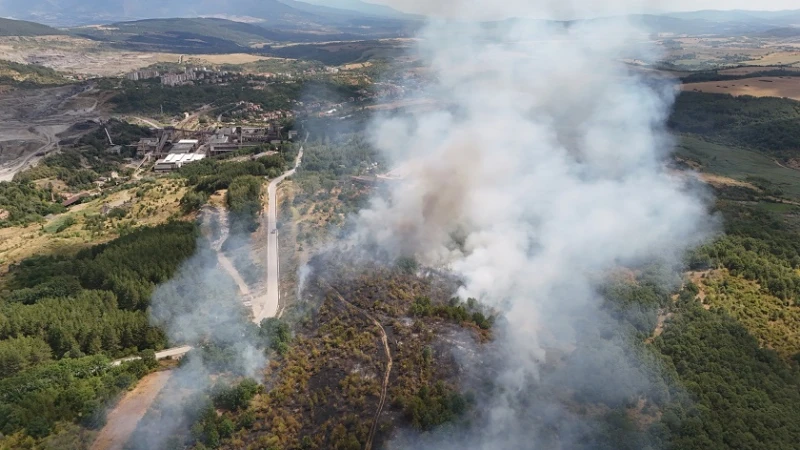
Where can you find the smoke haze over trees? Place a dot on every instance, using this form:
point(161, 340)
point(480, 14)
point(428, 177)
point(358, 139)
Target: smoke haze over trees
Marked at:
point(550, 178)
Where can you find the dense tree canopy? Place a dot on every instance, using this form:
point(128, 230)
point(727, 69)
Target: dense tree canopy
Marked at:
point(768, 124)
point(22, 203)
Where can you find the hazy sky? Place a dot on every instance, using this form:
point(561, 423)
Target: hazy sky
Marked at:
point(578, 7)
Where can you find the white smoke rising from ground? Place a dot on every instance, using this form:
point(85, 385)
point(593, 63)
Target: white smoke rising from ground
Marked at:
point(200, 306)
point(551, 163)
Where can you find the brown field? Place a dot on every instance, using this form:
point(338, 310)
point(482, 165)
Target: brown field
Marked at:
point(86, 57)
point(721, 181)
point(776, 58)
point(757, 87)
point(77, 56)
point(716, 52)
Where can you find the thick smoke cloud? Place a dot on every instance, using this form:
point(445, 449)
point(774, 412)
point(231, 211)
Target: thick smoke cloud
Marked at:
point(543, 171)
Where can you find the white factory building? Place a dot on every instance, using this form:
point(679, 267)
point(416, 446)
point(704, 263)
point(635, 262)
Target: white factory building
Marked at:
point(175, 161)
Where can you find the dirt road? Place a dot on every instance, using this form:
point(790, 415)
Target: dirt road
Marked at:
point(163, 354)
point(270, 307)
point(228, 266)
point(123, 419)
point(149, 123)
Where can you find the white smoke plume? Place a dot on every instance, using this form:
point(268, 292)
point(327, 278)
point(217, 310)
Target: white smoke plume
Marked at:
point(201, 306)
point(547, 159)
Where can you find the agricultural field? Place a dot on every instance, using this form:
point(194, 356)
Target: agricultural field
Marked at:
point(701, 53)
point(788, 87)
point(789, 58)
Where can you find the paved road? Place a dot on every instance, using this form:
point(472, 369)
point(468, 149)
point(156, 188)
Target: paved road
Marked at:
point(273, 291)
point(163, 354)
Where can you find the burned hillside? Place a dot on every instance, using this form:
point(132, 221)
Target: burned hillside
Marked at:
point(372, 352)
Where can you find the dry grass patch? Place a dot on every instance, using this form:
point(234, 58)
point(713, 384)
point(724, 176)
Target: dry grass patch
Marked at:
point(85, 225)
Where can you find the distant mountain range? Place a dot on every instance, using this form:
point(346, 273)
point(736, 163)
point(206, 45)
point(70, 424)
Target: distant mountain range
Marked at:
point(768, 18)
point(271, 12)
point(363, 8)
point(201, 24)
point(211, 35)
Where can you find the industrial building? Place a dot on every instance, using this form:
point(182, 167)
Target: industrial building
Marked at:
point(175, 161)
point(185, 146)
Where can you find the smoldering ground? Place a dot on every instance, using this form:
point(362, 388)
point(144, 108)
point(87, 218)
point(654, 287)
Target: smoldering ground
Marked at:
point(552, 171)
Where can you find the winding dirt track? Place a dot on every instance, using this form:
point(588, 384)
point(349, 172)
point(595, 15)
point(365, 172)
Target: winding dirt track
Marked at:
point(374, 428)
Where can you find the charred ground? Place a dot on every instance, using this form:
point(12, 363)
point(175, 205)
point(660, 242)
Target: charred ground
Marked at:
point(326, 391)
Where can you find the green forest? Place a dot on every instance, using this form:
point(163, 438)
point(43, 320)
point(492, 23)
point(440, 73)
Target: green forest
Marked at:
point(769, 125)
point(23, 203)
point(243, 181)
point(63, 318)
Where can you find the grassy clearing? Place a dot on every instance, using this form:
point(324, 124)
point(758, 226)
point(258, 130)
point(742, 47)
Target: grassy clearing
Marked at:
point(149, 203)
point(738, 163)
point(767, 317)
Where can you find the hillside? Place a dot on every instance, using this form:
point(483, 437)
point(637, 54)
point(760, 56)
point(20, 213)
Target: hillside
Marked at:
point(767, 125)
point(176, 33)
point(767, 18)
point(272, 14)
point(361, 7)
point(782, 32)
point(14, 73)
point(193, 35)
point(10, 27)
point(369, 350)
